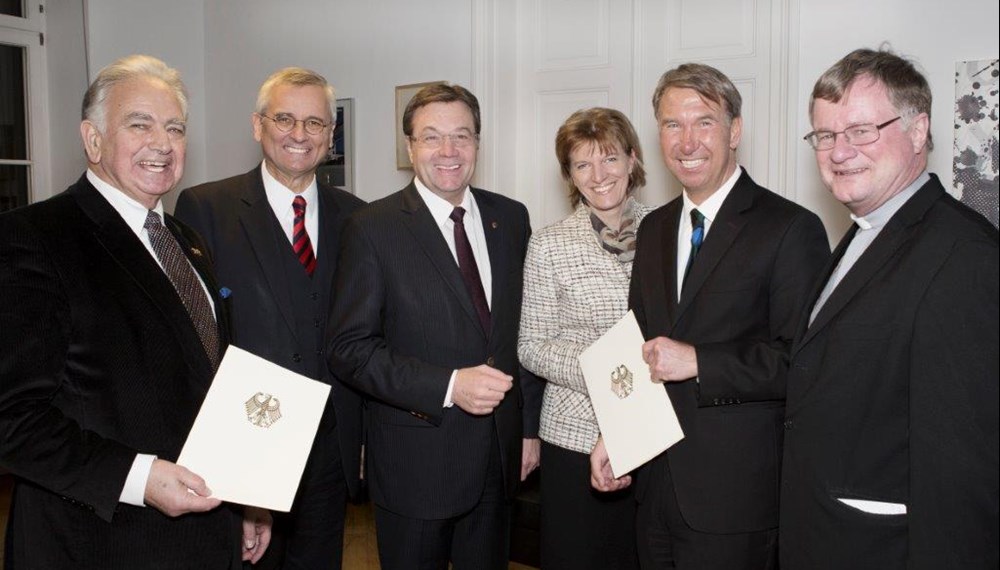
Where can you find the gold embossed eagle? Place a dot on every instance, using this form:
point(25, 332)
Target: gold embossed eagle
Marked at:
point(621, 381)
point(263, 410)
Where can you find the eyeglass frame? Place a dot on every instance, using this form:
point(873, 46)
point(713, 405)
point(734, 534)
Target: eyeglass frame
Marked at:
point(811, 137)
point(421, 140)
point(305, 123)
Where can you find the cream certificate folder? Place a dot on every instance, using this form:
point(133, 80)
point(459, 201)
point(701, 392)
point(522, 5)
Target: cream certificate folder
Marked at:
point(253, 434)
point(634, 413)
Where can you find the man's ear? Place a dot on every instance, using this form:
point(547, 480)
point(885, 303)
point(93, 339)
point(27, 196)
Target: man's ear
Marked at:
point(92, 139)
point(735, 133)
point(258, 126)
point(918, 131)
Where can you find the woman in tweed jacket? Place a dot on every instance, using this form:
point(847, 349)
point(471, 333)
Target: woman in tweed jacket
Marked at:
point(576, 278)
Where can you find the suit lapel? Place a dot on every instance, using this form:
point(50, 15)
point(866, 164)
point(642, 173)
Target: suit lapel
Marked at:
point(326, 259)
point(895, 233)
point(727, 225)
point(418, 221)
point(257, 219)
point(669, 259)
point(200, 262)
point(136, 261)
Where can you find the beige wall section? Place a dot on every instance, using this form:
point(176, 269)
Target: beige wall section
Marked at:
point(935, 33)
point(226, 47)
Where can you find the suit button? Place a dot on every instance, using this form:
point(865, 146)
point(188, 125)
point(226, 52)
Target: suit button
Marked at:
point(715, 402)
point(788, 424)
point(489, 361)
point(316, 323)
point(296, 357)
point(314, 296)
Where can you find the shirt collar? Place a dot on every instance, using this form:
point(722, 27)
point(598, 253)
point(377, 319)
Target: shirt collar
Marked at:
point(710, 207)
point(880, 216)
point(280, 196)
point(127, 207)
point(441, 209)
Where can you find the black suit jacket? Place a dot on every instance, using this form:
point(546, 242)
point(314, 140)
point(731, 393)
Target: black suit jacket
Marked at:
point(250, 256)
point(100, 361)
point(402, 321)
point(892, 397)
point(739, 308)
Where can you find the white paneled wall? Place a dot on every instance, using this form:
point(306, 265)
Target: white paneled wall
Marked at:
point(572, 54)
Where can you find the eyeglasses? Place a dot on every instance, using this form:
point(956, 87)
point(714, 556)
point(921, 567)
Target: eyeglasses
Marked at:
point(285, 123)
point(436, 140)
point(858, 135)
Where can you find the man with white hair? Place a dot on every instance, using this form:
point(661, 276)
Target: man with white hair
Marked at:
point(111, 330)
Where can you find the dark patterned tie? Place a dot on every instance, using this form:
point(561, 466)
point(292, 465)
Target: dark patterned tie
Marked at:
point(300, 237)
point(189, 289)
point(697, 236)
point(469, 269)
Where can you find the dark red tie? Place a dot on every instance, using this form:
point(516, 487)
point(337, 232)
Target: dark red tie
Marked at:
point(469, 269)
point(300, 237)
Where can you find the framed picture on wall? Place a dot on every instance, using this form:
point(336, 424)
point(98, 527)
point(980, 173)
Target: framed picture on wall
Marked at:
point(338, 168)
point(403, 95)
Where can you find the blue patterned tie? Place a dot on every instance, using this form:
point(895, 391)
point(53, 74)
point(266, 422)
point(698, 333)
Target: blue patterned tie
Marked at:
point(697, 236)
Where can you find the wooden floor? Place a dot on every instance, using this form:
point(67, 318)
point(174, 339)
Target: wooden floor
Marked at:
point(360, 552)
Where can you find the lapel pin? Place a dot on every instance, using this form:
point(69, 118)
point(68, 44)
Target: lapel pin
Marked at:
point(494, 225)
point(225, 292)
point(196, 251)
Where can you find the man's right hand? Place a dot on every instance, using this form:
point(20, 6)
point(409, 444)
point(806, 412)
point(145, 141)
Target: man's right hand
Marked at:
point(481, 389)
point(174, 490)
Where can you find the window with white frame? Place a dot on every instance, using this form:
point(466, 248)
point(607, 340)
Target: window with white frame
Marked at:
point(23, 121)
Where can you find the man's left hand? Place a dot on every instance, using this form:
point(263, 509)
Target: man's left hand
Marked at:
point(670, 360)
point(531, 455)
point(256, 533)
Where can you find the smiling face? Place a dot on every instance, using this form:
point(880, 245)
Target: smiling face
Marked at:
point(865, 177)
point(293, 157)
point(698, 141)
point(445, 171)
point(140, 150)
point(602, 178)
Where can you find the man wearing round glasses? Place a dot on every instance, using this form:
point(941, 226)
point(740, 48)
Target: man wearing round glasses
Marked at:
point(890, 457)
point(275, 233)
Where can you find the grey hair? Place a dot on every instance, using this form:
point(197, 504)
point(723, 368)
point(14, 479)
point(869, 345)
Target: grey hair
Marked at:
point(298, 76)
point(125, 69)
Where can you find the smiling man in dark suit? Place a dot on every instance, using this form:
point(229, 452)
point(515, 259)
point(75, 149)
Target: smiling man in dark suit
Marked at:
point(719, 278)
point(425, 322)
point(109, 343)
point(275, 233)
point(891, 444)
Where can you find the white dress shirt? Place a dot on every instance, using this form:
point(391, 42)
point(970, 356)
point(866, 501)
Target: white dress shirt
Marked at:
point(440, 210)
point(280, 198)
point(710, 209)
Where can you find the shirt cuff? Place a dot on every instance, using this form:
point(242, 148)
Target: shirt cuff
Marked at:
point(451, 386)
point(134, 492)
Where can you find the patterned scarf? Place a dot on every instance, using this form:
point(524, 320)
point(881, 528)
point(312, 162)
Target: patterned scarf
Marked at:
point(620, 242)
